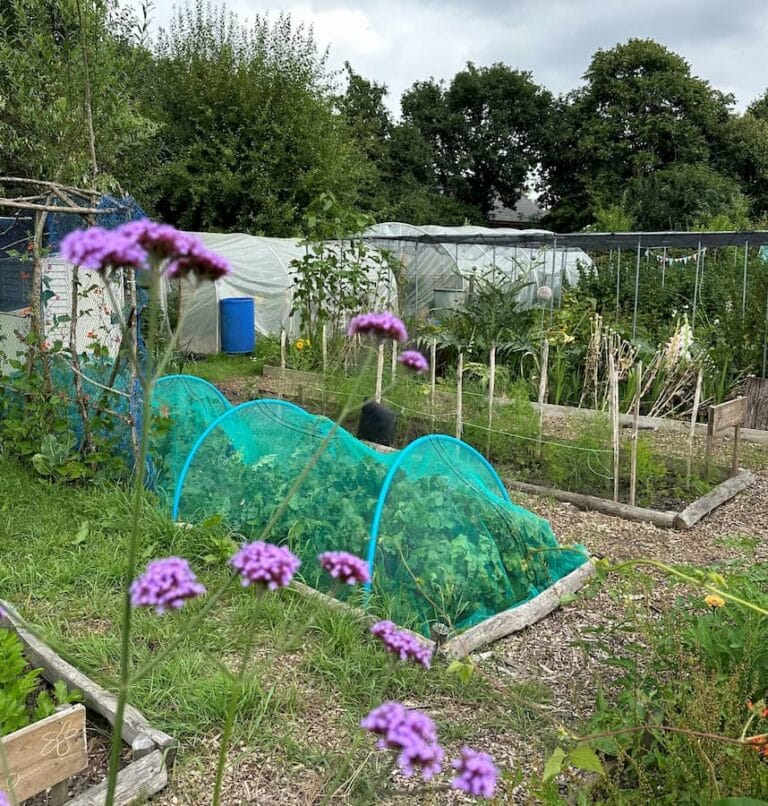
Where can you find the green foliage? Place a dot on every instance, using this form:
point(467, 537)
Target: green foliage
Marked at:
point(21, 699)
point(248, 136)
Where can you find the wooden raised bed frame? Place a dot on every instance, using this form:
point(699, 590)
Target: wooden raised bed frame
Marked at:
point(152, 750)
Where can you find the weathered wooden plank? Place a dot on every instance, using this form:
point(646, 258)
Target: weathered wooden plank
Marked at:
point(756, 392)
point(520, 617)
point(46, 753)
point(714, 498)
point(135, 783)
point(94, 696)
point(591, 502)
point(727, 415)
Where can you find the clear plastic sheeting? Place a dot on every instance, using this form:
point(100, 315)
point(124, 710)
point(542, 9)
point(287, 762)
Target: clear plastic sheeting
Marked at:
point(439, 274)
point(443, 541)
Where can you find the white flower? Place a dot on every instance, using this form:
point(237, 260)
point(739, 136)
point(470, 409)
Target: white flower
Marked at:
point(544, 293)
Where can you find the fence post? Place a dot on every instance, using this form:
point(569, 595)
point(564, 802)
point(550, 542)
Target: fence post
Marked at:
point(394, 360)
point(635, 434)
point(459, 386)
point(692, 432)
point(432, 362)
point(491, 390)
point(379, 372)
point(613, 398)
point(325, 349)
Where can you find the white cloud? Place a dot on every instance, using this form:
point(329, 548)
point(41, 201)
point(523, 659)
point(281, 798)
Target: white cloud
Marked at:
point(398, 42)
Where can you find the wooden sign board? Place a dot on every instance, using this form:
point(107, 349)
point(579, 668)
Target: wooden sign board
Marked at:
point(44, 754)
point(727, 415)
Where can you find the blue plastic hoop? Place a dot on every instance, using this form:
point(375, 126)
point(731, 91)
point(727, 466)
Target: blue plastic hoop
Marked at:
point(376, 522)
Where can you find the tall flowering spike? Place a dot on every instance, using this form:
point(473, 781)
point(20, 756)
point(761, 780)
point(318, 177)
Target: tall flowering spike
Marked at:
point(403, 644)
point(165, 585)
point(410, 733)
point(476, 773)
point(100, 249)
point(201, 263)
point(265, 564)
point(379, 326)
point(414, 360)
point(345, 567)
point(160, 240)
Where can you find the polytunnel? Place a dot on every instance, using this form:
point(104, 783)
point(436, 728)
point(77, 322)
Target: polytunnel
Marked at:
point(440, 262)
point(443, 541)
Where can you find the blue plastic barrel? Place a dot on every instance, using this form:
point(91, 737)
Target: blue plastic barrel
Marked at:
point(238, 327)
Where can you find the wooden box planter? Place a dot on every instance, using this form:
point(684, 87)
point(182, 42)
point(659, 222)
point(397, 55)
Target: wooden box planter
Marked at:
point(51, 751)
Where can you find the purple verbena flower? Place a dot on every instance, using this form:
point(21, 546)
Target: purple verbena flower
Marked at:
point(5, 799)
point(165, 585)
point(345, 567)
point(403, 644)
point(379, 325)
point(414, 360)
point(409, 732)
point(100, 249)
point(161, 240)
point(266, 564)
point(199, 261)
point(477, 774)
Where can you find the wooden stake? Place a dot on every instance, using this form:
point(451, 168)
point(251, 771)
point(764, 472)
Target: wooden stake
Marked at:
point(736, 438)
point(691, 433)
point(635, 419)
point(543, 383)
point(613, 397)
point(432, 369)
point(394, 360)
point(491, 390)
point(282, 349)
point(379, 372)
point(459, 385)
point(325, 349)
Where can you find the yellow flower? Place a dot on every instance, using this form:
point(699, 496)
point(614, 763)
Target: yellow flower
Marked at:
point(714, 601)
point(300, 344)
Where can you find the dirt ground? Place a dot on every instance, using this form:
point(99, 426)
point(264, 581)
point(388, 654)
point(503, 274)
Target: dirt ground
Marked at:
point(558, 655)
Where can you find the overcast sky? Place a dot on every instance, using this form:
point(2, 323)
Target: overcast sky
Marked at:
point(397, 42)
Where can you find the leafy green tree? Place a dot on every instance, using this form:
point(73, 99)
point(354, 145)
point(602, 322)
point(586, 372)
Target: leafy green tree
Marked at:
point(484, 129)
point(744, 155)
point(640, 111)
point(66, 110)
point(249, 132)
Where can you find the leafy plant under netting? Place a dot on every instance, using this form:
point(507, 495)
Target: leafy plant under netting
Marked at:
point(443, 540)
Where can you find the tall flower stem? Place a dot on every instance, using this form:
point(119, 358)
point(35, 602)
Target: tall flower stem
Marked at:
point(147, 384)
point(234, 701)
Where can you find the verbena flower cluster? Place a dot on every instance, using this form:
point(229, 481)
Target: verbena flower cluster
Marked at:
point(414, 360)
point(5, 799)
point(476, 773)
point(133, 244)
point(265, 564)
point(401, 643)
point(345, 567)
point(166, 585)
point(411, 733)
point(379, 326)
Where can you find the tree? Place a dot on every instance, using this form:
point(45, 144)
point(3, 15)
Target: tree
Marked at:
point(743, 154)
point(484, 130)
point(249, 133)
point(67, 112)
point(640, 111)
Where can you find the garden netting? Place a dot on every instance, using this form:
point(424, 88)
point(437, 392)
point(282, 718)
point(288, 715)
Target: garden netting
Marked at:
point(444, 542)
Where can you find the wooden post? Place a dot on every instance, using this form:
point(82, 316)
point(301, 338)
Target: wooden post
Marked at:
point(692, 432)
point(543, 390)
point(721, 417)
point(459, 384)
point(432, 370)
point(736, 438)
point(491, 390)
point(282, 349)
point(613, 398)
point(324, 337)
point(379, 372)
point(635, 419)
point(394, 360)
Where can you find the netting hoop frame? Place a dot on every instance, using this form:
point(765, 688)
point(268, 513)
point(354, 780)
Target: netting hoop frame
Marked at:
point(387, 483)
point(267, 401)
point(196, 379)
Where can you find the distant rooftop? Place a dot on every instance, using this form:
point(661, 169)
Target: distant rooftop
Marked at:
point(525, 212)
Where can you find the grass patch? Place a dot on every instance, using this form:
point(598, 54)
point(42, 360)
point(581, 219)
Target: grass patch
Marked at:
point(315, 672)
